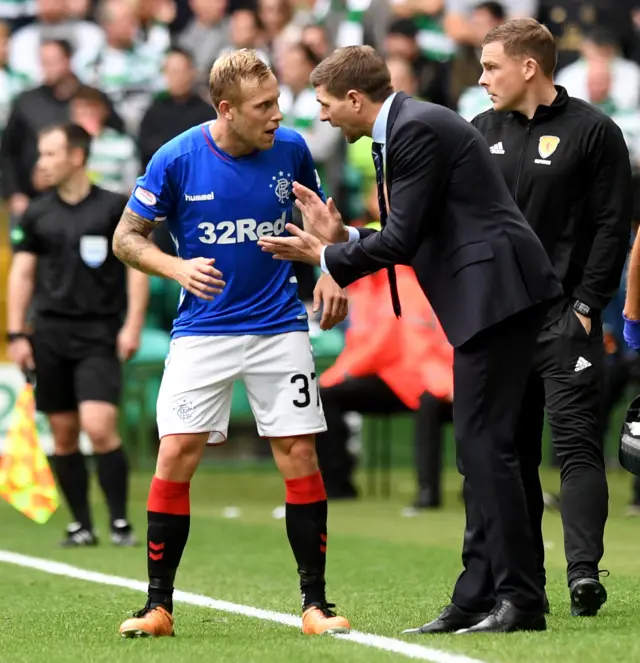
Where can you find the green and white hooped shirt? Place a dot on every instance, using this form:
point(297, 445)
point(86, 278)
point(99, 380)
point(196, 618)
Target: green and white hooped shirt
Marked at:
point(12, 83)
point(301, 113)
point(113, 161)
point(432, 40)
point(12, 9)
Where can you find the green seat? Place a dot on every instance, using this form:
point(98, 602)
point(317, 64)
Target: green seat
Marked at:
point(143, 377)
point(155, 310)
point(240, 408)
point(328, 344)
point(154, 346)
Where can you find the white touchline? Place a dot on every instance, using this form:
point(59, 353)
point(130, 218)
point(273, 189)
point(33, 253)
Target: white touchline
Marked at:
point(368, 639)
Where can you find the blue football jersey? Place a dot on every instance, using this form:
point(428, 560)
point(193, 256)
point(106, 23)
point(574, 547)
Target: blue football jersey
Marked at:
point(218, 206)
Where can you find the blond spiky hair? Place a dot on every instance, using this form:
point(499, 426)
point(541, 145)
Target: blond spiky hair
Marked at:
point(230, 70)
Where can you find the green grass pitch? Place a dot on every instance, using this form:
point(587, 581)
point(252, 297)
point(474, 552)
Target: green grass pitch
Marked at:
point(386, 572)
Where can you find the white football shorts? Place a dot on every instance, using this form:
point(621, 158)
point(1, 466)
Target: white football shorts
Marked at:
point(278, 372)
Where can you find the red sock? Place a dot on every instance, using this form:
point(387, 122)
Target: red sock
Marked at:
point(167, 533)
point(169, 497)
point(306, 490)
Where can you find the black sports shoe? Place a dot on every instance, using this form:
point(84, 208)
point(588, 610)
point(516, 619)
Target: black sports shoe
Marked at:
point(122, 534)
point(588, 595)
point(78, 536)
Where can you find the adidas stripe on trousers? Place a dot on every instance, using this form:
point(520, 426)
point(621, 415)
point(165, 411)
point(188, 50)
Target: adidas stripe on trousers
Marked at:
point(566, 380)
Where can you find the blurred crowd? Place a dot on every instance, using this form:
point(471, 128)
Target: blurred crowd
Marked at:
point(134, 73)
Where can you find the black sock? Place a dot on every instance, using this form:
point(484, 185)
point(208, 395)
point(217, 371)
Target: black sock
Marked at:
point(306, 521)
point(167, 533)
point(71, 471)
point(113, 475)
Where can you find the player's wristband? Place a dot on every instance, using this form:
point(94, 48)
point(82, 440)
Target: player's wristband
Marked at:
point(16, 336)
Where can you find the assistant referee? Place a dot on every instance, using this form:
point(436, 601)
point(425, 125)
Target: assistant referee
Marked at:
point(568, 168)
point(88, 312)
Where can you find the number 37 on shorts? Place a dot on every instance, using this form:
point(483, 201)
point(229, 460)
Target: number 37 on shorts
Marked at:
point(278, 372)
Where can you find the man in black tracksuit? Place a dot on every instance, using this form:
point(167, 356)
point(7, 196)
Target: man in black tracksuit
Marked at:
point(568, 169)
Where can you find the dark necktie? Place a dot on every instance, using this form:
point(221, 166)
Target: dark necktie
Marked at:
point(382, 204)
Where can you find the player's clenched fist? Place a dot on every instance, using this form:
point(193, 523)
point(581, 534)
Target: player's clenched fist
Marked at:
point(333, 299)
point(199, 277)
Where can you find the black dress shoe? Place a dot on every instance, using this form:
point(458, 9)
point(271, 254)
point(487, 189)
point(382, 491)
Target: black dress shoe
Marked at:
point(451, 619)
point(506, 618)
point(587, 597)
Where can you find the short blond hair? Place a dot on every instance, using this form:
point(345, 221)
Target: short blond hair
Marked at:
point(525, 37)
point(230, 70)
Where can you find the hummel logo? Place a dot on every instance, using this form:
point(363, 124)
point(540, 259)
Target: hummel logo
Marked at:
point(497, 148)
point(581, 364)
point(198, 198)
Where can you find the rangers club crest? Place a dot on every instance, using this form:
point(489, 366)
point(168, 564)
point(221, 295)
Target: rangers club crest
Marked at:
point(281, 186)
point(184, 410)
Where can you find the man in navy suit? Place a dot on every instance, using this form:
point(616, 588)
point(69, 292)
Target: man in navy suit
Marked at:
point(489, 280)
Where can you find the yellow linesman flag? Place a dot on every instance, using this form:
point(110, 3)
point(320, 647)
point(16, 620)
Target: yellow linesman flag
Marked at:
point(26, 481)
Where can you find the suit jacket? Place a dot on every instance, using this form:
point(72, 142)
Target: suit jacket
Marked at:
point(452, 218)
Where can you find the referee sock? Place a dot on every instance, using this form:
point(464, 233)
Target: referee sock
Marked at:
point(73, 478)
point(306, 521)
point(113, 475)
point(168, 521)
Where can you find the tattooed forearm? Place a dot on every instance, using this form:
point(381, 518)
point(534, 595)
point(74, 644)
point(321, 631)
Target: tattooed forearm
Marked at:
point(131, 242)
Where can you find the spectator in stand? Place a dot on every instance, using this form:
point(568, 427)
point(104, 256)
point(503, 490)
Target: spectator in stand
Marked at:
point(458, 13)
point(316, 38)
point(431, 75)
point(173, 112)
point(12, 82)
point(570, 20)
point(127, 68)
point(302, 112)
point(403, 77)
point(600, 92)
point(245, 31)
point(53, 22)
point(113, 162)
point(32, 111)
point(176, 110)
point(156, 18)
point(17, 13)
point(206, 34)
point(79, 10)
point(466, 68)
point(601, 46)
point(276, 16)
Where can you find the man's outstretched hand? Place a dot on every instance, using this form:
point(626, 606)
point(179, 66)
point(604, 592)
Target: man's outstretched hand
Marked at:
point(320, 219)
point(334, 302)
point(301, 246)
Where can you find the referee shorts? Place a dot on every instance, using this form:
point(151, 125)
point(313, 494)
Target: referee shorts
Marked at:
point(76, 361)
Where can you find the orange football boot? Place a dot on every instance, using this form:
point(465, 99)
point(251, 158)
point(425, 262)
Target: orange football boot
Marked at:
point(148, 623)
point(318, 619)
